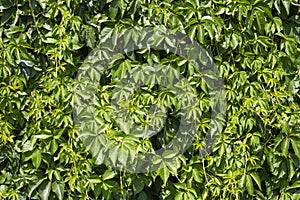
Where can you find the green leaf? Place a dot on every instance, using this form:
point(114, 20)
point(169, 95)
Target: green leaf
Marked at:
point(266, 9)
point(36, 185)
point(123, 69)
point(293, 87)
point(6, 15)
point(42, 136)
point(43, 3)
point(113, 9)
point(285, 144)
point(5, 4)
point(123, 155)
point(296, 147)
point(286, 4)
point(249, 185)
point(234, 41)
point(196, 176)
point(243, 181)
point(169, 154)
point(179, 195)
point(138, 186)
point(113, 154)
point(142, 196)
point(164, 173)
point(97, 190)
point(58, 189)
point(45, 190)
point(53, 146)
point(108, 174)
point(36, 158)
point(295, 185)
point(50, 40)
point(256, 178)
point(192, 32)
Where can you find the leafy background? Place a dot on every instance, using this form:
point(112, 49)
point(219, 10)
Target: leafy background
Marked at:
point(256, 47)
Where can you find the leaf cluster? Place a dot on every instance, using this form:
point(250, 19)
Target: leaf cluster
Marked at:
point(254, 44)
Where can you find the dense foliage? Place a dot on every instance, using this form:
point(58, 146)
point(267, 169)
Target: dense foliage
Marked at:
point(254, 44)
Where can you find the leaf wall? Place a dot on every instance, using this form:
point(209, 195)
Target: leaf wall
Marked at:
point(254, 44)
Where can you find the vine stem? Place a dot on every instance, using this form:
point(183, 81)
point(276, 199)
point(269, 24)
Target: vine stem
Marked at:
point(206, 180)
point(34, 19)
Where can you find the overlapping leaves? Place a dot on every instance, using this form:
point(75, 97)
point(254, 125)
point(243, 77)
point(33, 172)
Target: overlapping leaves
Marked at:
point(255, 46)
